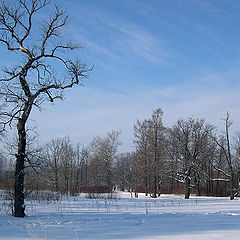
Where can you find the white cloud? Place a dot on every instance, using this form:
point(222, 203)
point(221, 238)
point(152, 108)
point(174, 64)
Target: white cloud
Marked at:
point(205, 6)
point(92, 112)
point(118, 38)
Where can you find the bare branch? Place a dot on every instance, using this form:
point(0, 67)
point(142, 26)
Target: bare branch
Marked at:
point(51, 27)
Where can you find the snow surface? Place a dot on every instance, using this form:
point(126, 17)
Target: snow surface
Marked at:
point(168, 217)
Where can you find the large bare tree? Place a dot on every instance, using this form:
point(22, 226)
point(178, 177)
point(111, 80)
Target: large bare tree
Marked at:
point(149, 141)
point(192, 145)
point(33, 80)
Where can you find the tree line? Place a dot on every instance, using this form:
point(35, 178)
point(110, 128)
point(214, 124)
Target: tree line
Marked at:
point(191, 156)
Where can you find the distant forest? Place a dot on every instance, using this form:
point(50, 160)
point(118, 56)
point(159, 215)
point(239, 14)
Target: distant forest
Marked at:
point(190, 157)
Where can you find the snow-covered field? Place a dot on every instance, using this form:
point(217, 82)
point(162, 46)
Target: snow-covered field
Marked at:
point(168, 217)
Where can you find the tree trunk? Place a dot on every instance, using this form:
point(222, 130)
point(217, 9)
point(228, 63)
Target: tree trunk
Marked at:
point(231, 183)
point(146, 175)
point(217, 185)
point(158, 189)
point(187, 184)
point(146, 188)
point(229, 158)
point(198, 188)
point(207, 187)
point(155, 185)
point(19, 206)
point(86, 173)
point(187, 188)
point(56, 175)
point(76, 188)
point(197, 185)
point(56, 184)
point(109, 176)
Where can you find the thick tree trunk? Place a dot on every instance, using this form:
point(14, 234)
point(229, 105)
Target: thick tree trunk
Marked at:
point(187, 184)
point(19, 206)
point(187, 188)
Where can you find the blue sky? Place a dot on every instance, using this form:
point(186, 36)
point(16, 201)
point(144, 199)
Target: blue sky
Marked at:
point(180, 55)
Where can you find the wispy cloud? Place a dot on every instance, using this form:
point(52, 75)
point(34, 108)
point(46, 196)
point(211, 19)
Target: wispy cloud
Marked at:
point(90, 112)
point(207, 7)
point(116, 37)
point(136, 54)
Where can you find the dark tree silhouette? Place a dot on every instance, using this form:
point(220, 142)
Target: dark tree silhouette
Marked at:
point(33, 80)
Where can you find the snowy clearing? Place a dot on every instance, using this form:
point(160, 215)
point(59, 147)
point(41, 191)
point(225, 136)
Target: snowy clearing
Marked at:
point(168, 217)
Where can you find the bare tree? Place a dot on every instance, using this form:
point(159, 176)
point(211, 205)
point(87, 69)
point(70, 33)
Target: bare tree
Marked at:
point(192, 138)
point(226, 148)
point(124, 176)
point(149, 141)
point(32, 80)
point(237, 162)
point(141, 140)
point(81, 168)
point(156, 138)
point(103, 155)
point(2, 166)
point(53, 154)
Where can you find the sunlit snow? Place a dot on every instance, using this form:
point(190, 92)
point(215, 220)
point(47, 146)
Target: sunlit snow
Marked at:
point(168, 217)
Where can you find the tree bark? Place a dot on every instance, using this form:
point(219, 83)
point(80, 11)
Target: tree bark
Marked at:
point(146, 173)
point(187, 188)
point(229, 158)
point(187, 184)
point(19, 207)
point(155, 163)
point(155, 183)
point(231, 183)
point(197, 185)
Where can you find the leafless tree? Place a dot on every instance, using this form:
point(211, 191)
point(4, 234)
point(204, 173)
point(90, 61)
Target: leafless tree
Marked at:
point(173, 153)
point(226, 148)
point(192, 138)
point(53, 174)
point(68, 165)
point(124, 175)
point(149, 141)
point(2, 166)
point(33, 80)
point(156, 138)
point(103, 155)
point(81, 168)
point(141, 141)
point(237, 162)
